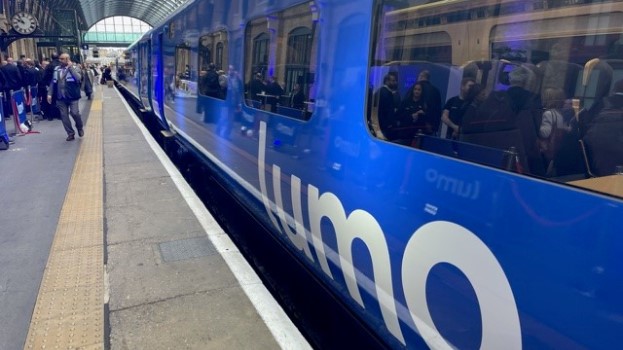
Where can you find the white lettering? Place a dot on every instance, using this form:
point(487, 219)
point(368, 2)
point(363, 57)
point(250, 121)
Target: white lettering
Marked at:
point(299, 239)
point(262, 175)
point(433, 243)
point(358, 225)
point(442, 241)
point(453, 185)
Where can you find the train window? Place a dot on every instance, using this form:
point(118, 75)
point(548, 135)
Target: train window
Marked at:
point(280, 62)
point(182, 61)
point(482, 85)
point(182, 70)
point(213, 64)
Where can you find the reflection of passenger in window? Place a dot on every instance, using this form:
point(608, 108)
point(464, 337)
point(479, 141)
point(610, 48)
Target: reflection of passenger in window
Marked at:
point(453, 111)
point(256, 86)
point(433, 100)
point(521, 97)
point(297, 97)
point(474, 98)
point(275, 91)
point(209, 83)
point(388, 100)
point(412, 115)
point(603, 139)
point(553, 102)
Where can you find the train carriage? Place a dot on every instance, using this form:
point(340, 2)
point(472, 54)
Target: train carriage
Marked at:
point(431, 241)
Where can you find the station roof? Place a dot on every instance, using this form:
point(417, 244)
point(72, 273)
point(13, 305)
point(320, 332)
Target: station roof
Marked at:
point(89, 12)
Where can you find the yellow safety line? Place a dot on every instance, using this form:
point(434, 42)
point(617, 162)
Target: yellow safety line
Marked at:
point(69, 313)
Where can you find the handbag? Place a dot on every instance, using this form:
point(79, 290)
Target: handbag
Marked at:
point(549, 146)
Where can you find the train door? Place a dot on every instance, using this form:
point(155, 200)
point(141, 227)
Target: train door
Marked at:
point(145, 78)
point(157, 73)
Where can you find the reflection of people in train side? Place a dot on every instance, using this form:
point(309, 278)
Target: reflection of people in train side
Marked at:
point(274, 89)
point(433, 101)
point(388, 100)
point(528, 111)
point(453, 111)
point(256, 86)
point(474, 97)
point(521, 98)
point(234, 86)
point(222, 83)
point(297, 97)
point(603, 139)
point(208, 84)
point(413, 115)
point(234, 110)
point(553, 102)
point(553, 127)
point(604, 73)
point(169, 83)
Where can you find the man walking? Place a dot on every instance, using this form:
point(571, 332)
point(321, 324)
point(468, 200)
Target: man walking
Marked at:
point(65, 86)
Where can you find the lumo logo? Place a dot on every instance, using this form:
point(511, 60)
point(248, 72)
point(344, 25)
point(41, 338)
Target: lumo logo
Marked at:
point(434, 243)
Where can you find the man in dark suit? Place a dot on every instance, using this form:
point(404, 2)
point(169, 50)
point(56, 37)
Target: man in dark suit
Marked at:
point(388, 100)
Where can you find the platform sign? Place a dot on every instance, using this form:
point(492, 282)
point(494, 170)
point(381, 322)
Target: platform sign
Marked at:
point(35, 108)
point(19, 111)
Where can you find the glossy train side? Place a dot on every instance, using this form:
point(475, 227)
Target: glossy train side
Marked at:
point(428, 250)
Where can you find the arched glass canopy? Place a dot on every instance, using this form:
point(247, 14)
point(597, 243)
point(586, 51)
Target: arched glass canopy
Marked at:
point(89, 12)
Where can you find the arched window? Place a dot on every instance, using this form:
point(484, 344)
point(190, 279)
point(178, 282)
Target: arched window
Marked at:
point(260, 52)
point(280, 64)
point(205, 55)
point(298, 57)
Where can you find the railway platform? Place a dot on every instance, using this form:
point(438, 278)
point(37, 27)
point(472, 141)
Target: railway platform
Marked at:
point(104, 246)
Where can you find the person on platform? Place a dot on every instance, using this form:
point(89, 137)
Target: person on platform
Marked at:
point(13, 82)
point(49, 109)
point(87, 81)
point(66, 84)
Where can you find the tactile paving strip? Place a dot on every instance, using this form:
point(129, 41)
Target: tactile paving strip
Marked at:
point(69, 313)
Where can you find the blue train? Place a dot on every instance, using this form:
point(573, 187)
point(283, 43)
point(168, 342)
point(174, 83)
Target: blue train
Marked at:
point(441, 225)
